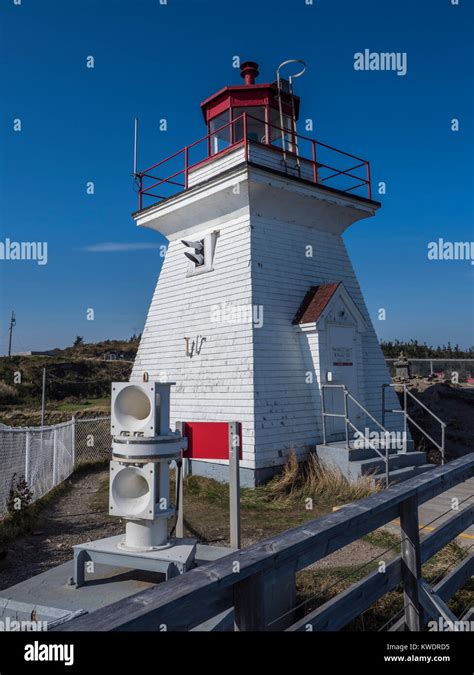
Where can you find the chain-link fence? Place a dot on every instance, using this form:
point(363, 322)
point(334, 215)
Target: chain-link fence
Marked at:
point(92, 440)
point(46, 456)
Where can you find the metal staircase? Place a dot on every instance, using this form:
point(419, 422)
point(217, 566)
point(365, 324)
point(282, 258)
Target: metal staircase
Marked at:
point(358, 454)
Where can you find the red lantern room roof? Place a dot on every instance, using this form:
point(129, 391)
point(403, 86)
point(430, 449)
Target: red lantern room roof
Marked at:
point(248, 95)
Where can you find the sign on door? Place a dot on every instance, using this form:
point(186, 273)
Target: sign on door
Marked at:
point(342, 356)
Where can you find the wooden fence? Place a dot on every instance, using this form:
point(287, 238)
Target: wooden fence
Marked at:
point(259, 581)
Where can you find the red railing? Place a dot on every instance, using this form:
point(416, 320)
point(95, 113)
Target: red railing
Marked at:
point(316, 164)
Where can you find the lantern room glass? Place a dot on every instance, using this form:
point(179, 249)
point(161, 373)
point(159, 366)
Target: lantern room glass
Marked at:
point(219, 137)
point(263, 126)
point(256, 123)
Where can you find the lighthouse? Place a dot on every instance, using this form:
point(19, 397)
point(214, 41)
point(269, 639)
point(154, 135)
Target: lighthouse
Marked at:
point(257, 316)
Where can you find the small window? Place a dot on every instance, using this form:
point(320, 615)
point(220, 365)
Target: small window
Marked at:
point(220, 137)
point(256, 128)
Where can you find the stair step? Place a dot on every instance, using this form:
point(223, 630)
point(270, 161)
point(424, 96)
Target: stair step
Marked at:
point(396, 461)
point(400, 475)
point(357, 454)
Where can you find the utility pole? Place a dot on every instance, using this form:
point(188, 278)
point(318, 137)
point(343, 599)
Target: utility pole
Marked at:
point(43, 397)
point(12, 323)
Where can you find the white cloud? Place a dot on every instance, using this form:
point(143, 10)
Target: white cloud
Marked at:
point(115, 246)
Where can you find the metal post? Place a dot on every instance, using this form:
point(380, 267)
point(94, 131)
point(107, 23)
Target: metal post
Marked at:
point(73, 441)
point(43, 397)
point(12, 323)
point(323, 413)
point(405, 419)
point(383, 404)
point(443, 430)
point(369, 186)
point(431, 368)
point(135, 147)
point(234, 484)
point(180, 489)
point(411, 563)
point(346, 417)
point(387, 469)
point(55, 456)
point(27, 457)
point(186, 162)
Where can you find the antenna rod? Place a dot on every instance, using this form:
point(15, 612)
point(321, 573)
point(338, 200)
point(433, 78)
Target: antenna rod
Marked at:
point(12, 323)
point(135, 148)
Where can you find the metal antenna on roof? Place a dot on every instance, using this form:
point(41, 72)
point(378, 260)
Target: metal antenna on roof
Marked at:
point(294, 142)
point(135, 147)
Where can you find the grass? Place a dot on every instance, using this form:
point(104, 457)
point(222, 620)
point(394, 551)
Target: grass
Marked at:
point(316, 587)
point(83, 405)
point(311, 479)
point(382, 539)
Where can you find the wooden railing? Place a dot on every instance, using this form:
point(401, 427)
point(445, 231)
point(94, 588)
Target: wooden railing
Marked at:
point(259, 582)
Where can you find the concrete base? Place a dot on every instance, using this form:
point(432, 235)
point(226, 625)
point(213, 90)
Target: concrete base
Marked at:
point(356, 462)
point(171, 561)
point(54, 598)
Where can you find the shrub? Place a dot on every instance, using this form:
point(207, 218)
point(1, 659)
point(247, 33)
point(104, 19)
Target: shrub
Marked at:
point(8, 394)
point(312, 478)
point(19, 498)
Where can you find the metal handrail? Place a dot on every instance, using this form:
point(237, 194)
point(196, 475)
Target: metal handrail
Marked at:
point(347, 423)
point(146, 190)
point(407, 417)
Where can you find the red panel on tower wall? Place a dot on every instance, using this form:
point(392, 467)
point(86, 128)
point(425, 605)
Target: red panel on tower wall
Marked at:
point(209, 440)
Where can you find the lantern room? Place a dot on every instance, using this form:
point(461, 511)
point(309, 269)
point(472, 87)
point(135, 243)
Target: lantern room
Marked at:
point(254, 124)
point(271, 112)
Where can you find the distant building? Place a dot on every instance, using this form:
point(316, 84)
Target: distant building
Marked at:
point(113, 355)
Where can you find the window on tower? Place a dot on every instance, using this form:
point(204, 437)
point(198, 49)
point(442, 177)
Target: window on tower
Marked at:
point(219, 137)
point(279, 131)
point(256, 128)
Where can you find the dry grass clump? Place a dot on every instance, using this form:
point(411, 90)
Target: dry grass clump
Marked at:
point(311, 478)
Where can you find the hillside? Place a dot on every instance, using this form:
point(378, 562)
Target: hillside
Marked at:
point(77, 379)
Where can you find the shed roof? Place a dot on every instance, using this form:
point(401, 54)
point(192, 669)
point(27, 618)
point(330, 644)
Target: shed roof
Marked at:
point(314, 302)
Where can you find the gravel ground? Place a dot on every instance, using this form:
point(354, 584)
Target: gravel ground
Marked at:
point(71, 519)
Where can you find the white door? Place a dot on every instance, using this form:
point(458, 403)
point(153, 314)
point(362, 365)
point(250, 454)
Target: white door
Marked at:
point(341, 363)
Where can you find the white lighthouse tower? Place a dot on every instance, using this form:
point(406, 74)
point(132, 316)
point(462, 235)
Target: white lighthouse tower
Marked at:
point(257, 309)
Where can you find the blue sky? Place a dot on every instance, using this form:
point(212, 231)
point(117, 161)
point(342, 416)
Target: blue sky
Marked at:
point(160, 61)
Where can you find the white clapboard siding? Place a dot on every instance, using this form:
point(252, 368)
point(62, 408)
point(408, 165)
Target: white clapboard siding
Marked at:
point(255, 375)
point(217, 385)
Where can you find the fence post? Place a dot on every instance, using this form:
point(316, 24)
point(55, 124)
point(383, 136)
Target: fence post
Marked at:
point(346, 418)
point(73, 441)
point(411, 563)
point(180, 489)
point(27, 457)
point(55, 455)
point(234, 484)
point(405, 418)
point(266, 601)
